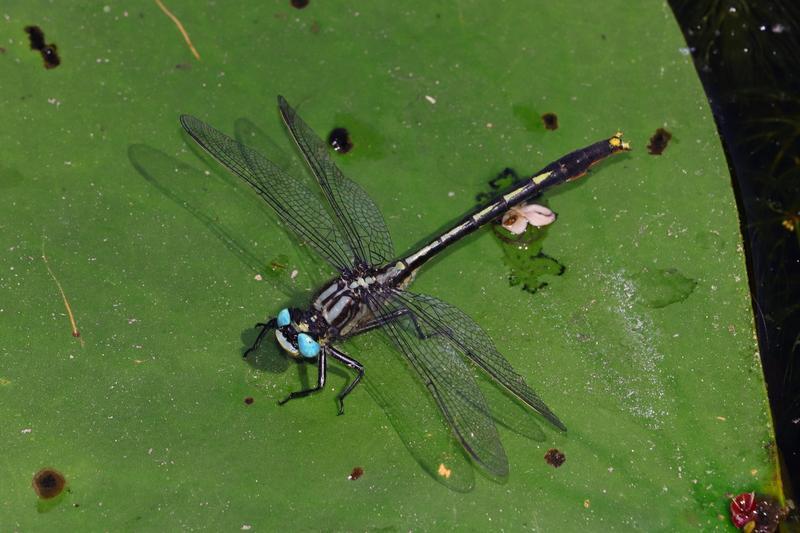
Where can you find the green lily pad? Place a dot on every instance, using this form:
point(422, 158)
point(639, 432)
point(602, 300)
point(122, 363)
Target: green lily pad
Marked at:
point(644, 346)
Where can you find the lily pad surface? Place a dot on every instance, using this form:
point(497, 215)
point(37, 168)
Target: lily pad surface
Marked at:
point(134, 267)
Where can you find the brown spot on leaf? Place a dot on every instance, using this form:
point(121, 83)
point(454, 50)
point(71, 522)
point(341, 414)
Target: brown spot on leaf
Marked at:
point(554, 457)
point(550, 121)
point(49, 51)
point(48, 483)
point(36, 36)
point(659, 141)
point(339, 139)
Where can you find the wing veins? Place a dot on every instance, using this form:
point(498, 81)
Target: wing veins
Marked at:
point(296, 205)
point(355, 212)
point(464, 409)
point(472, 341)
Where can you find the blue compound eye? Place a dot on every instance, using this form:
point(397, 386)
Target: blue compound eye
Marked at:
point(284, 318)
point(308, 346)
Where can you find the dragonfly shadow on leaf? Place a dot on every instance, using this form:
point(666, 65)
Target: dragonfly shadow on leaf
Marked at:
point(203, 196)
point(275, 373)
point(413, 414)
point(271, 371)
point(247, 133)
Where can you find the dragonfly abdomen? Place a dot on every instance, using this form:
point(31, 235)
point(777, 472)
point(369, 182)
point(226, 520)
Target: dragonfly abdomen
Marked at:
point(568, 168)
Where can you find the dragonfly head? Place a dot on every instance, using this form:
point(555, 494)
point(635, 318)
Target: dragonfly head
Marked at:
point(294, 336)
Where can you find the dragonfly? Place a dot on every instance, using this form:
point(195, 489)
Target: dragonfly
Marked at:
point(370, 291)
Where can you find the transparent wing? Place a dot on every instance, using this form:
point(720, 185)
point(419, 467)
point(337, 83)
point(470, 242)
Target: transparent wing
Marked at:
point(438, 318)
point(359, 217)
point(295, 204)
point(450, 381)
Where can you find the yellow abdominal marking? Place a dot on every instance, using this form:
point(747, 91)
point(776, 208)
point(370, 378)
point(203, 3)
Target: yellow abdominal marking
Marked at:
point(477, 216)
point(513, 194)
point(541, 177)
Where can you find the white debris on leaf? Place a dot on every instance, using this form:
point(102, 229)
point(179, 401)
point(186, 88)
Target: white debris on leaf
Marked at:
point(517, 218)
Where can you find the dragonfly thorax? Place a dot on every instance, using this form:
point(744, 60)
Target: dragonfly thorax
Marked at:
point(342, 303)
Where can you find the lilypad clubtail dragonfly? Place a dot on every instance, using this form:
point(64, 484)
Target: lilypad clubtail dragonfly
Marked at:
point(370, 291)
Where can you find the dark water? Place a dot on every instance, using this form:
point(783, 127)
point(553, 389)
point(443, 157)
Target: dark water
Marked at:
point(748, 56)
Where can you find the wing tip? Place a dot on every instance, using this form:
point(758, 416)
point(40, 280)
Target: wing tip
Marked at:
point(551, 417)
point(283, 105)
point(187, 121)
point(285, 109)
point(502, 471)
point(498, 466)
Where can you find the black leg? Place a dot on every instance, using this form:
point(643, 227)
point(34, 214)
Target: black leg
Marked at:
point(265, 327)
point(382, 321)
point(322, 370)
point(352, 363)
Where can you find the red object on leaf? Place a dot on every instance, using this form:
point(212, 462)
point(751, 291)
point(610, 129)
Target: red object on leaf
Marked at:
point(743, 509)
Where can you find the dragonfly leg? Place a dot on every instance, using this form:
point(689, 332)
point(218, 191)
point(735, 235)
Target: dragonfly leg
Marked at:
point(265, 327)
point(355, 365)
point(322, 369)
point(382, 321)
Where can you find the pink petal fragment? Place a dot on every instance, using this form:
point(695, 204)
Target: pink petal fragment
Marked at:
point(514, 222)
point(517, 218)
point(537, 215)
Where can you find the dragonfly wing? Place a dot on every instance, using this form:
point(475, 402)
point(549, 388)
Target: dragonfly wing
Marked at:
point(447, 377)
point(358, 216)
point(295, 205)
point(247, 133)
point(438, 318)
